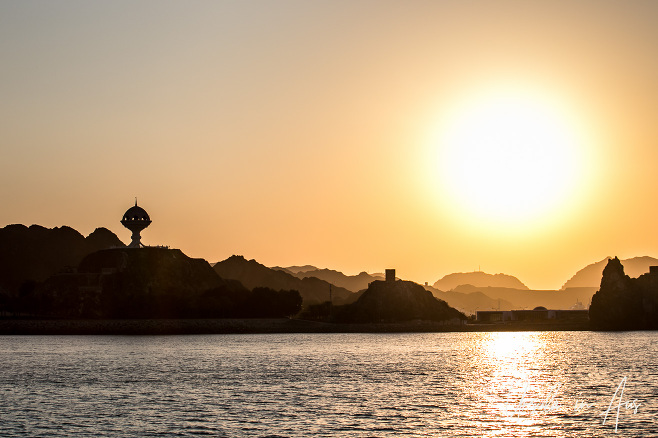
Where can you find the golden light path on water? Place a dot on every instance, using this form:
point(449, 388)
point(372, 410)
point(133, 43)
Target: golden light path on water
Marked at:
point(518, 391)
point(514, 360)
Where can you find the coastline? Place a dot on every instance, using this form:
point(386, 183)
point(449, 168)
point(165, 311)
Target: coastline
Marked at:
point(251, 326)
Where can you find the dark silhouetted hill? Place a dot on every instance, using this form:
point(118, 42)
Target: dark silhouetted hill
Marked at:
point(129, 283)
point(155, 268)
point(478, 279)
point(353, 283)
point(102, 238)
point(253, 274)
point(34, 253)
point(590, 275)
point(153, 283)
point(397, 301)
point(625, 303)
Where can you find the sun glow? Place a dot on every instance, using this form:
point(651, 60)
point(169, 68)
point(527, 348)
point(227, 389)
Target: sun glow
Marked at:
point(509, 157)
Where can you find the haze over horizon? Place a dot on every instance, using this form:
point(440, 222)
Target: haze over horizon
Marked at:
point(430, 137)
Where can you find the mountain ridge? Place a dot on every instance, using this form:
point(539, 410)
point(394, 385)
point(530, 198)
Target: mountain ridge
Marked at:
point(590, 275)
point(354, 283)
point(253, 274)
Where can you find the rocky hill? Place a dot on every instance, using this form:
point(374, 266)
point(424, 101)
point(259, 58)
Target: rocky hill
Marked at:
point(154, 268)
point(478, 279)
point(34, 253)
point(253, 274)
point(625, 303)
point(397, 301)
point(128, 283)
point(590, 275)
point(152, 283)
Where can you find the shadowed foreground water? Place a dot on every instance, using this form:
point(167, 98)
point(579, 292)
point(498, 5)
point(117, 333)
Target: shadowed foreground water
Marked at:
point(558, 384)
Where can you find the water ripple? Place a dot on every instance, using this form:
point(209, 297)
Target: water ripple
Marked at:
point(359, 385)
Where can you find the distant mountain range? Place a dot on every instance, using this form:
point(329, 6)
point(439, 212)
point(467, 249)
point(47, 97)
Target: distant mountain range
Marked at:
point(296, 269)
point(478, 279)
point(353, 283)
point(253, 274)
point(529, 299)
point(467, 291)
point(470, 302)
point(590, 275)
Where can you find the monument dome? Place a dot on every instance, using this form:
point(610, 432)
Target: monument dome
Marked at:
point(136, 219)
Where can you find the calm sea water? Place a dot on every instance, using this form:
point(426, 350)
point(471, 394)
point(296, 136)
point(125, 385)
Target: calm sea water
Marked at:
point(556, 384)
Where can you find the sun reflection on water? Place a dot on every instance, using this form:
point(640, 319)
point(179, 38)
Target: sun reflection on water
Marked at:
point(517, 391)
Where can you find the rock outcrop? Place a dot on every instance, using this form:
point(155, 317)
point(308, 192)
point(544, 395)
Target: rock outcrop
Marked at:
point(625, 303)
point(397, 301)
point(590, 275)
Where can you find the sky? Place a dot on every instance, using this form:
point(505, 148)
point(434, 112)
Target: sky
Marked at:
point(432, 137)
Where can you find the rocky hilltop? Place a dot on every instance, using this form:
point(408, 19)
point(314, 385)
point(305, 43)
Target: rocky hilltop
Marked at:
point(478, 279)
point(625, 303)
point(395, 301)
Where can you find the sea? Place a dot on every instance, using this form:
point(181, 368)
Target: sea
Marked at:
point(511, 384)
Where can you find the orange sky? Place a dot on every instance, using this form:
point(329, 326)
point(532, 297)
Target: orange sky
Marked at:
point(296, 132)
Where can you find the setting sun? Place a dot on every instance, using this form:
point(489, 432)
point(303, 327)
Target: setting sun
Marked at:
point(518, 136)
point(509, 157)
